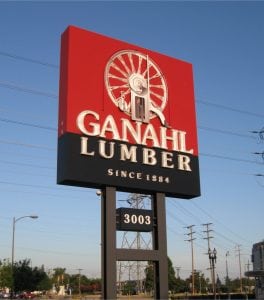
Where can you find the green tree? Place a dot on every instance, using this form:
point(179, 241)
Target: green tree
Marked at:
point(171, 276)
point(226, 288)
point(200, 283)
point(130, 288)
point(180, 286)
point(23, 276)
point(5, 274)
point(149, 281)
point(85, 283)
point(234, 284)
point(95, 284)
point(59, 276)
point(74, 283)
point(41, 280)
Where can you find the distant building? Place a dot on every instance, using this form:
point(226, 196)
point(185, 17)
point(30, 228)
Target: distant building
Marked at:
point(258, 269)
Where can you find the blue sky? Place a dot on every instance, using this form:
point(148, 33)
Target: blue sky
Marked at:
point(223, 41)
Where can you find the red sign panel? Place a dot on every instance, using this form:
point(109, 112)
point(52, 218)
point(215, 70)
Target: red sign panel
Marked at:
point(126, 117)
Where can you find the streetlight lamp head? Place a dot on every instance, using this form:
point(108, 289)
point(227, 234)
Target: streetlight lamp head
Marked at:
point(13, 247)
point(33, 217)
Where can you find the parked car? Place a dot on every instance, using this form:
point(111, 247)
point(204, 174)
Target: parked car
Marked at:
point(27, 295)
point(4, 295)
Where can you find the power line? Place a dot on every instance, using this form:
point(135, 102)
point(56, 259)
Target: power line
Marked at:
point(27, 124)
point(53, 149)
point(195, 217)
point(18, 154)
point(50, 128)
point(54, 129)
point(44, 194)
point(28, 185)
point(46, 157)
point(52, 252)
point(230, 108)
point(229, 158)
point(15, 143)
point(176, 218)
point(26, 59)
point(226, 132)
point(47, 187)
point(184, 210)
point(26, 114)
point(26, 165)
point(208, 103)
point(222, 224)
point(28, 174)
point(220, 235)
point(20, 88)
point(229, 172)
point(201, 127)
point(41, 193)
point(173, 230)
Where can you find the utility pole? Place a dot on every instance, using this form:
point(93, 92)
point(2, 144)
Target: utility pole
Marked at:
point(247, 266)
point(227, 276)
point(212, 257)
point(208, 237)
point(259, 132)
point(200, 283)
point(190, 234)
point(227, 254)
point(261, 136)
point(240, 272)
point(80, 281)
point(247, 269)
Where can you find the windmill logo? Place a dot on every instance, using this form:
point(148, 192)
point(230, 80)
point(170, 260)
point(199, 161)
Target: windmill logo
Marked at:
point(136, 85)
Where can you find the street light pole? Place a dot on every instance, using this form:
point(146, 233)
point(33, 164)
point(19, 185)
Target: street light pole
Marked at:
point(13, 249)
point(80, 282)
point(212, 258)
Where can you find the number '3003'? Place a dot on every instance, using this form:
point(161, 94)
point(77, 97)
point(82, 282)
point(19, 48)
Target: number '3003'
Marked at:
point(134, 219)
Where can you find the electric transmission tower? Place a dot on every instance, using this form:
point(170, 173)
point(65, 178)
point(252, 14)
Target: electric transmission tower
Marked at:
point(134, 270)
point(178, 271)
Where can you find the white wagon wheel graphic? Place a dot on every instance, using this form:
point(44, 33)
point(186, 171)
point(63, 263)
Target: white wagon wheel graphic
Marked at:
point(130, 71)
